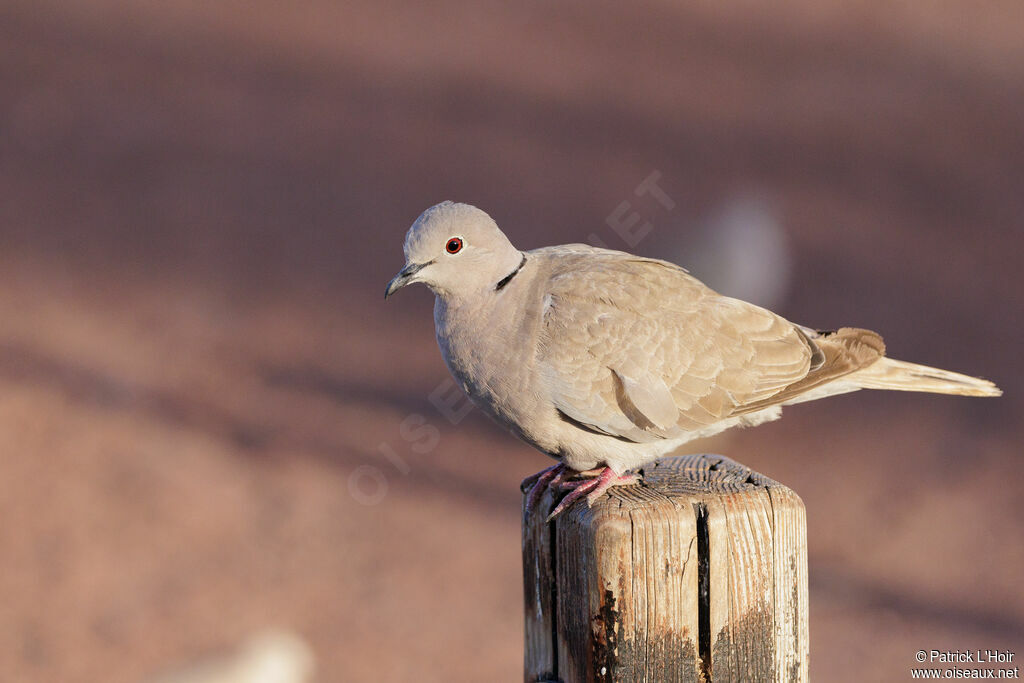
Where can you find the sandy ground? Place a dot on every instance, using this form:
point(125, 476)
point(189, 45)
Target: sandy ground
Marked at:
point(200, 204)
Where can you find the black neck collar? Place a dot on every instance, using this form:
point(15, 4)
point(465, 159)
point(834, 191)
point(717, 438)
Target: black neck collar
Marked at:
point(508, 278)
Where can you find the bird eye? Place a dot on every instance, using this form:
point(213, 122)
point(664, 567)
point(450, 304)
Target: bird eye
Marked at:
point(454, 245)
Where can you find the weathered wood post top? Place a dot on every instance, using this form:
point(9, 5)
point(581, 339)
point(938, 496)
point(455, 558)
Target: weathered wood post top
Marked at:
point(698, 574)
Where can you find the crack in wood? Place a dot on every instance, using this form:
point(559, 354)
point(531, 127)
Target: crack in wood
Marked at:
point(703, 591)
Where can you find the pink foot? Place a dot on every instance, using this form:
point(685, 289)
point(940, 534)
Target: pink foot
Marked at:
point(591, 488)
point(536, 483)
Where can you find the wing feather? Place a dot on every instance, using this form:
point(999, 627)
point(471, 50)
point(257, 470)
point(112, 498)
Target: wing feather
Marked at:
point(640, 350)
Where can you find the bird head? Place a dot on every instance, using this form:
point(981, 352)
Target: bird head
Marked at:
point(455, 249)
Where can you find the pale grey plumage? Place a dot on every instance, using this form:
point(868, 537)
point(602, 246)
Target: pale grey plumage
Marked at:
point(599, 357)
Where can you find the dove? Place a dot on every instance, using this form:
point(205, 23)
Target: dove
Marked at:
point(606, 361)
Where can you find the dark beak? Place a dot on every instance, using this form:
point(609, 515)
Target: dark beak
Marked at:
point(404, 277)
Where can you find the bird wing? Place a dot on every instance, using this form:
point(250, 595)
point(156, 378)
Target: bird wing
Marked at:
point(638, 349)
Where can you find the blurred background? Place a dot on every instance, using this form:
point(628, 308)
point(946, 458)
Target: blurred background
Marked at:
point(212, 427)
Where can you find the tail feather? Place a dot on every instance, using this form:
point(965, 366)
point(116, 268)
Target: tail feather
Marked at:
point(897, 375)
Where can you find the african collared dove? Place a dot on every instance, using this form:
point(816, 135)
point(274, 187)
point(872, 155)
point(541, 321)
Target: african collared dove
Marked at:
point(603, 359)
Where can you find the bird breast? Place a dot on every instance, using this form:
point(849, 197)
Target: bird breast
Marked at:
point(496, 372)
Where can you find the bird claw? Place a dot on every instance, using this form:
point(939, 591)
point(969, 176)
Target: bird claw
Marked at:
point(592, 488)
point(536, 483)
point(591, 483)
point(533, 479)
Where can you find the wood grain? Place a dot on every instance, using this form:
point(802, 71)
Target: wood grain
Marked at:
point(698, 574)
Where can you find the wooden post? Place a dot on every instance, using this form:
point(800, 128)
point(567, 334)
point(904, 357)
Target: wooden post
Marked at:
point(700, 574)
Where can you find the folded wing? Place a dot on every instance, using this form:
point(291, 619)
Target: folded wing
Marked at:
point(638, 349)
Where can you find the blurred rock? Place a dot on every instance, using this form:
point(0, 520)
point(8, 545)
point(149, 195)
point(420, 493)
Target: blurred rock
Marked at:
point(741, 250)
point(268, 657)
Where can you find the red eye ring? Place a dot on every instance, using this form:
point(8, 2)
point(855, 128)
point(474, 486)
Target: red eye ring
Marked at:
point(454, 245)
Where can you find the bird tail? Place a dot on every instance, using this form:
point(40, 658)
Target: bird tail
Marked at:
point(898, 375)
